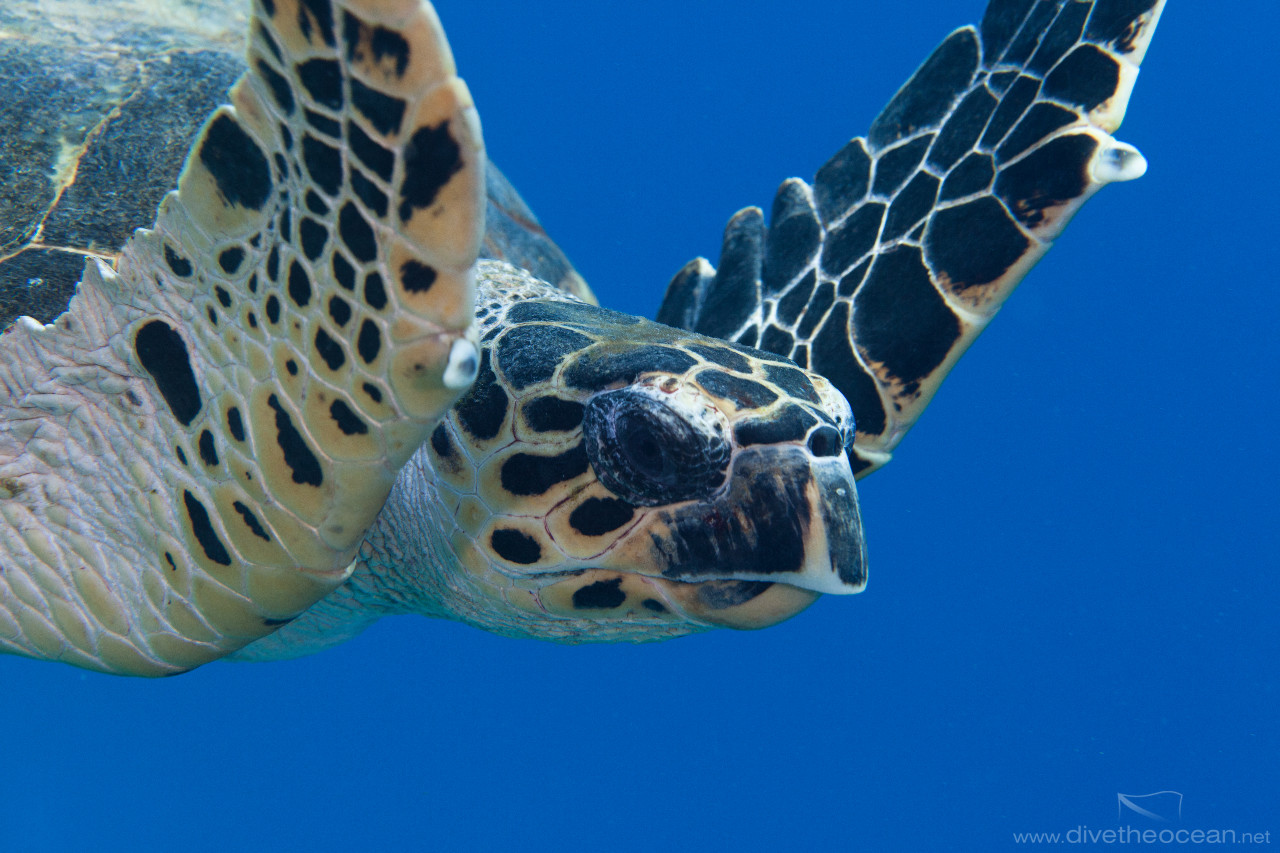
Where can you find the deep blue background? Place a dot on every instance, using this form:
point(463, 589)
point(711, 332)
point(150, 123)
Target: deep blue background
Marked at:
point(1074, 556)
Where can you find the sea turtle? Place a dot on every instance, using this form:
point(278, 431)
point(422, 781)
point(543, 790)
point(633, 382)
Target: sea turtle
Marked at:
point(195, 456)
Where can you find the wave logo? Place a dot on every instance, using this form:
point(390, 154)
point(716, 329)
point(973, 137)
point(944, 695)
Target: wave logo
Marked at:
point(1161, 806)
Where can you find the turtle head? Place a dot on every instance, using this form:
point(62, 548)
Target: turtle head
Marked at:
point(612, 478)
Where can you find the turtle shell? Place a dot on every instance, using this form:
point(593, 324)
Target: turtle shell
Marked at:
point(101, 99)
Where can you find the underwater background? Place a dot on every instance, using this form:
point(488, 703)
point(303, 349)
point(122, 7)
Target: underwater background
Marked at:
point(1075, 556)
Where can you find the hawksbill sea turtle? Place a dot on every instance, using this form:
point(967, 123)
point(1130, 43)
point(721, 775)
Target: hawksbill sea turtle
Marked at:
point(345, 373)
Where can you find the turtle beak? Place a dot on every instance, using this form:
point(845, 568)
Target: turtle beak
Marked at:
point(785, 516)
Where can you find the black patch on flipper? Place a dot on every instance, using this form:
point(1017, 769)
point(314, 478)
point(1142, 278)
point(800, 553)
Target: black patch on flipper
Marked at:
point(375, 292)
point(601, 595)
point(599, 368)
point(526, 474)
point(721, 595)
point(416, 277)
point(734, 293)
point(367, 191)
point(1112, 21)
point(910, 206)
point(339, 311)
point(163, 354)
point(1014, 103)
point(370, 153)
point(1054, 174)
point(315, 204)
point(357, 233)
point(230, 259)
point(313, 236)
point(852, 239)
point(793, 238)
point(925, 99)
point(792, 381)
point(203, 530)
point(236, 163)
point(235, 424)
point(685, 293)
point(515, 546)
point(279, 86)
point(322, 78)
point(329, 127)
point(901, 320)
point(776, 341)
point(999, 24)
point(852, 280)
point(974, 175)
point(251, 521)
point(224, 298)
point(1061, 37)
point(552, 414)
point(372, 391)
point(208, 453)
point(895, 166)
point(273, 264)
point(483, 410)
point(348, 421)
point(654, 605)
point(329, 350)
point(722, 356)
point(793, 301)
point(530, 354)
point(181, 266)
point(273, 309)
point(842, 181)
point(301, 461)
point(382, 41)
point(213, 315)
point(323, 162)
point(1040, 121)
point(743, 393)
point(369, 341)
point(299, 285)
point(833, 358)
point(822, 299)
point(182, 457)
point(441, 443)
point(431, 158)
point(1087, 77)
point(383, 111)
point(598, 516)
point(962, 129)
point(790, 423)
point(973, 244)
point(1028, 37)
point(343, 272)
point(322, 12)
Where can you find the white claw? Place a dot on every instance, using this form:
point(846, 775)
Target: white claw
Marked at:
point(1118, 161)
point(464, 363)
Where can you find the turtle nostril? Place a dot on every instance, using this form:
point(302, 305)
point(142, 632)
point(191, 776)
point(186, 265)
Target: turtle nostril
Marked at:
point(825, 441)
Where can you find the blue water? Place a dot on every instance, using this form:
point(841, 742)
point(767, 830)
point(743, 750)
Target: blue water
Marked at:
point(1074, 555)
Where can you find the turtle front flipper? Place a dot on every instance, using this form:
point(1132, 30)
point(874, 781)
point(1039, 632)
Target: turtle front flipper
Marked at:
point(881, 274)
point(191, 454)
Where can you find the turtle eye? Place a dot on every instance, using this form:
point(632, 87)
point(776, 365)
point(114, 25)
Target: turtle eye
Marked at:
point(642, 448)
point(647, 453)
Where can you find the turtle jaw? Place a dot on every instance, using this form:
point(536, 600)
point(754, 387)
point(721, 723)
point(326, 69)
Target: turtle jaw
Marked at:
point(784, 516)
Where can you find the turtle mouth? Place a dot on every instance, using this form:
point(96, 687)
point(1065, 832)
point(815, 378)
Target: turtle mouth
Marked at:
point(745, 605)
